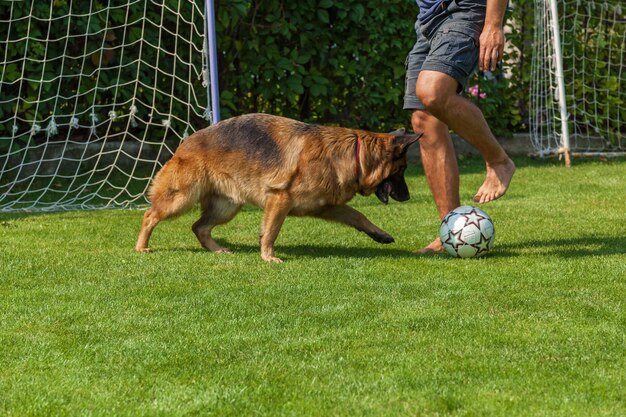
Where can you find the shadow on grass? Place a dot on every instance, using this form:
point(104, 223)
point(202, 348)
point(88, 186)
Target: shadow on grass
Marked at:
point(578, 247)
point(565, 248)
point(310, 251)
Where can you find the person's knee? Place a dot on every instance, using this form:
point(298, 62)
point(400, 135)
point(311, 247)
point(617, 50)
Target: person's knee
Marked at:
point(421, 121)
point(436, 135)
point(431, 97)
point(425, 122)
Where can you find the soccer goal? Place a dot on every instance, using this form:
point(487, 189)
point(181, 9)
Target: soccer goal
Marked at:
point(96, 95)
point(578, 78)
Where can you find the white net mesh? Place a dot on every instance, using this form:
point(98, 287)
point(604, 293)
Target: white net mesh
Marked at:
point(593, 41)
point(94, 97)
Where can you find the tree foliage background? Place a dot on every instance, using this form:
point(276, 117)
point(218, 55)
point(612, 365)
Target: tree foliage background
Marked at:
point(321, 61)
point(343, 62)
point(316, 60)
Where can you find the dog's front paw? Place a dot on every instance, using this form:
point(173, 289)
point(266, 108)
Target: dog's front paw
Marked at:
point(268, 258)
point(382, 237)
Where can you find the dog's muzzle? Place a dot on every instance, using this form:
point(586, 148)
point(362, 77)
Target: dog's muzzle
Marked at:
point(395, 187)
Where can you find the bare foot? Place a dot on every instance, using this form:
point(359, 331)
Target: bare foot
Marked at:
point(496, 182)
point(434, 247)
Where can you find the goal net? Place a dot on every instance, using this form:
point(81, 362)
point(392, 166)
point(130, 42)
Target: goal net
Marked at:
point(578, 96)
point(95, 96)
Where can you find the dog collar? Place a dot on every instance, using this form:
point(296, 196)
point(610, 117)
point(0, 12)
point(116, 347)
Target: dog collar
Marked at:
point(357, 152)
point(357, 158)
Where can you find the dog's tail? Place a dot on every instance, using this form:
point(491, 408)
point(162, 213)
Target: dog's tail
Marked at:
point(174, 189)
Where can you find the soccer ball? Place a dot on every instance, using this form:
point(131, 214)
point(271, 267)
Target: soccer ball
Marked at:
point(467, 232)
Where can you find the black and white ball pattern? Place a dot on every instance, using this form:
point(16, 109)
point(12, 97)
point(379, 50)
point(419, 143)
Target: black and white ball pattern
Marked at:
point(467, 232)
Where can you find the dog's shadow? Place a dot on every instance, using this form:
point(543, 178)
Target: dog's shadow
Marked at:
point(576, 247)
point(310, 251)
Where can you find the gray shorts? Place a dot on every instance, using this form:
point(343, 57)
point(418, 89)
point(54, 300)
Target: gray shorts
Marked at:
point(447, 43)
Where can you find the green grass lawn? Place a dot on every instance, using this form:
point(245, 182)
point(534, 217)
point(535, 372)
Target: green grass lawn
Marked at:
point(345, 327)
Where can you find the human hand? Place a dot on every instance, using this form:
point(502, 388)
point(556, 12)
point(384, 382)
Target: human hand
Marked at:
point(491, 47)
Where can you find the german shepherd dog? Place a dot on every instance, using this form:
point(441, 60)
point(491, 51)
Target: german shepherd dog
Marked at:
point(285, 167)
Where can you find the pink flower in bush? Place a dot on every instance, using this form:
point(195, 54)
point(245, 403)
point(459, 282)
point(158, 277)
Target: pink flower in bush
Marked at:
point(475, 91)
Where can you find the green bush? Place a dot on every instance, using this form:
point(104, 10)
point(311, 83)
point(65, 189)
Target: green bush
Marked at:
point(316, 60)
point(343, 62)
point(322, 61)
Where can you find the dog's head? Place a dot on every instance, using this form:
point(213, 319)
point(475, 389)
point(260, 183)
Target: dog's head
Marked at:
point(388, 163)
point(395, 187)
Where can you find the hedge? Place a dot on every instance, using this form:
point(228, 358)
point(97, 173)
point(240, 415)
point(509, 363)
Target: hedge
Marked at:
point(344, 62)
point(322, 61)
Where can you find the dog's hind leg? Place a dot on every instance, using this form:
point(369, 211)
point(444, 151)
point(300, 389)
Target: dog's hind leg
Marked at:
point(162, 208)
point(150, 220)
point(170, 198)
point(215, 210)
point(351, 217)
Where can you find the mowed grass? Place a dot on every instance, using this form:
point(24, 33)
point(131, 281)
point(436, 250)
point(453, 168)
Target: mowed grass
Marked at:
point(345, 327)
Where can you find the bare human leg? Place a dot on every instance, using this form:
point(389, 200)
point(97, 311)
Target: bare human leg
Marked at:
point(440, 166)
point(438, 92)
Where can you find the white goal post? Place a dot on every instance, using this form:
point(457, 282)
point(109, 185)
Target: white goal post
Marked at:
point(578, 78)
point(96, 95)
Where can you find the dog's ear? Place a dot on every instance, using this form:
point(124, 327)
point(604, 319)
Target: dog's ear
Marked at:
point(398, 132)
point(401, 143)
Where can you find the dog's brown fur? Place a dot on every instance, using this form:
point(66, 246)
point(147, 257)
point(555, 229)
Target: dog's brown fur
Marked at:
point(281, 165)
